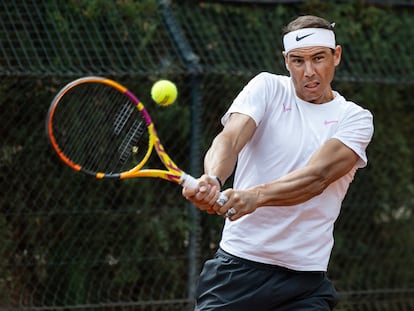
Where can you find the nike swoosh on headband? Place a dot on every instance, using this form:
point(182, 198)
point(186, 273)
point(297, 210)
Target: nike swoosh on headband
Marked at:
point(303, 37)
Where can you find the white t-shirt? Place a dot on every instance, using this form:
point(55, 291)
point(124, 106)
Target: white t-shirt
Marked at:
point(289, 130)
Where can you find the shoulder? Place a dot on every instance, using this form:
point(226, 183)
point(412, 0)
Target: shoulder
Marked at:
point(260, 94)
point(355, 116)
point(351, 108)
point(271, 78)
point(270, 84)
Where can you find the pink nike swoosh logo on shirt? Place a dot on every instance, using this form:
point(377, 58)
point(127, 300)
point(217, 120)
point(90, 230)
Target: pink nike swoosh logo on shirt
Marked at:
point(330, 122)
point(286, 108)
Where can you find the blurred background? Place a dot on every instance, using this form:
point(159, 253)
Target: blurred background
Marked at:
point(70, 242)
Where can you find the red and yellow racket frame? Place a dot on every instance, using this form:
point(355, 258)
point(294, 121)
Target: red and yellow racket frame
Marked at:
point(173, 172)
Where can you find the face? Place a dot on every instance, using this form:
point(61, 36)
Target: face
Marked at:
point(312, 70)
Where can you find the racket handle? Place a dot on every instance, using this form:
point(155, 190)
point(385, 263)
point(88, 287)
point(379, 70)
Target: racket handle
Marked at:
point(190, 182)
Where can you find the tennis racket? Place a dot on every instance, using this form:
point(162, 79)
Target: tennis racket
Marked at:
point(98, 127)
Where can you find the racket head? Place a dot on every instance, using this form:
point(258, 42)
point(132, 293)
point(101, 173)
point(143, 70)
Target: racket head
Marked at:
point(98, 127)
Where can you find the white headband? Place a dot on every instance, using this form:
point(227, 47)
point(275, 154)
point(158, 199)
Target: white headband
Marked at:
point(309, 37)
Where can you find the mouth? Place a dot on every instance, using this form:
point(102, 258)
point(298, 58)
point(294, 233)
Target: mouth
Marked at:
point(311, 85)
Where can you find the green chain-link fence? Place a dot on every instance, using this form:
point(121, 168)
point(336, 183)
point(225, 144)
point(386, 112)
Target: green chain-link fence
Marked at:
point(69, 242)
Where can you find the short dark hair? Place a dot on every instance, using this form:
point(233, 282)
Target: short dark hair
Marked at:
point(307, 21)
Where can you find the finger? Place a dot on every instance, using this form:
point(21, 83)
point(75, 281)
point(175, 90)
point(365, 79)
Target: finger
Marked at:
point(204, 195)
point(203, 187)
point(231, 212)
point(213, 196)
point(188, 192)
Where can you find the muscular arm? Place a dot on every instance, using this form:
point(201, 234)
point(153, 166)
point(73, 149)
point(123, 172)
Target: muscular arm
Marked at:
point(330, 162)
point(221, 158)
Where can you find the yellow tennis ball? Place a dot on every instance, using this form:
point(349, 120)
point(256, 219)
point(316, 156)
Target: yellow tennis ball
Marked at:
point(164, 92)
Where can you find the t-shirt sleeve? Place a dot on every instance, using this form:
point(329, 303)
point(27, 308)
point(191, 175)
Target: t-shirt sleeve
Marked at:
point(356, 132)
point(251, 100)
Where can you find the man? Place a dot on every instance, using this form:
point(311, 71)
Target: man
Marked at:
point(297, 144)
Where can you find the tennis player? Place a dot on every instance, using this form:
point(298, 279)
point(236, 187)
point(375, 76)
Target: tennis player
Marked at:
point(297, 144)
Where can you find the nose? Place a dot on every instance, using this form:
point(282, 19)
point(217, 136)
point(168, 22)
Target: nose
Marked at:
point(309, 70)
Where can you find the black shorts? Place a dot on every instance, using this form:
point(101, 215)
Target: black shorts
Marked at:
point(230, 283)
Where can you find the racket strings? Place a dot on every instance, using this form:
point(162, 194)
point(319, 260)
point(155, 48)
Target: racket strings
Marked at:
point(92, 105)
point(122, 117)
point(102, 147)
point(72, 127)
point(100, 129)
point(131, 141)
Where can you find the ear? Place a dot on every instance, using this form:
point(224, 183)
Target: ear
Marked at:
point(286, 60)
point(337, 55)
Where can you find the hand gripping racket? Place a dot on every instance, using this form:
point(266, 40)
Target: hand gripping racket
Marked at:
point(98, 127)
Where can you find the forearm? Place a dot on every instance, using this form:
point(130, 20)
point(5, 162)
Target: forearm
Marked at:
point(219, 161)
point(294, 188)
point(221, 158)
point(332, 161)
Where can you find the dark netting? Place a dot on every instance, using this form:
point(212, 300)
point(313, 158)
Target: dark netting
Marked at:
point(71, 242)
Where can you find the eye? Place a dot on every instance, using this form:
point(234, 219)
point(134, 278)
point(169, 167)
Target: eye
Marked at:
point(318, 59)
point(297, 61)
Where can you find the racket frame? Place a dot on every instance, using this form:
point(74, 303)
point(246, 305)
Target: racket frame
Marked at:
point(173, 172)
